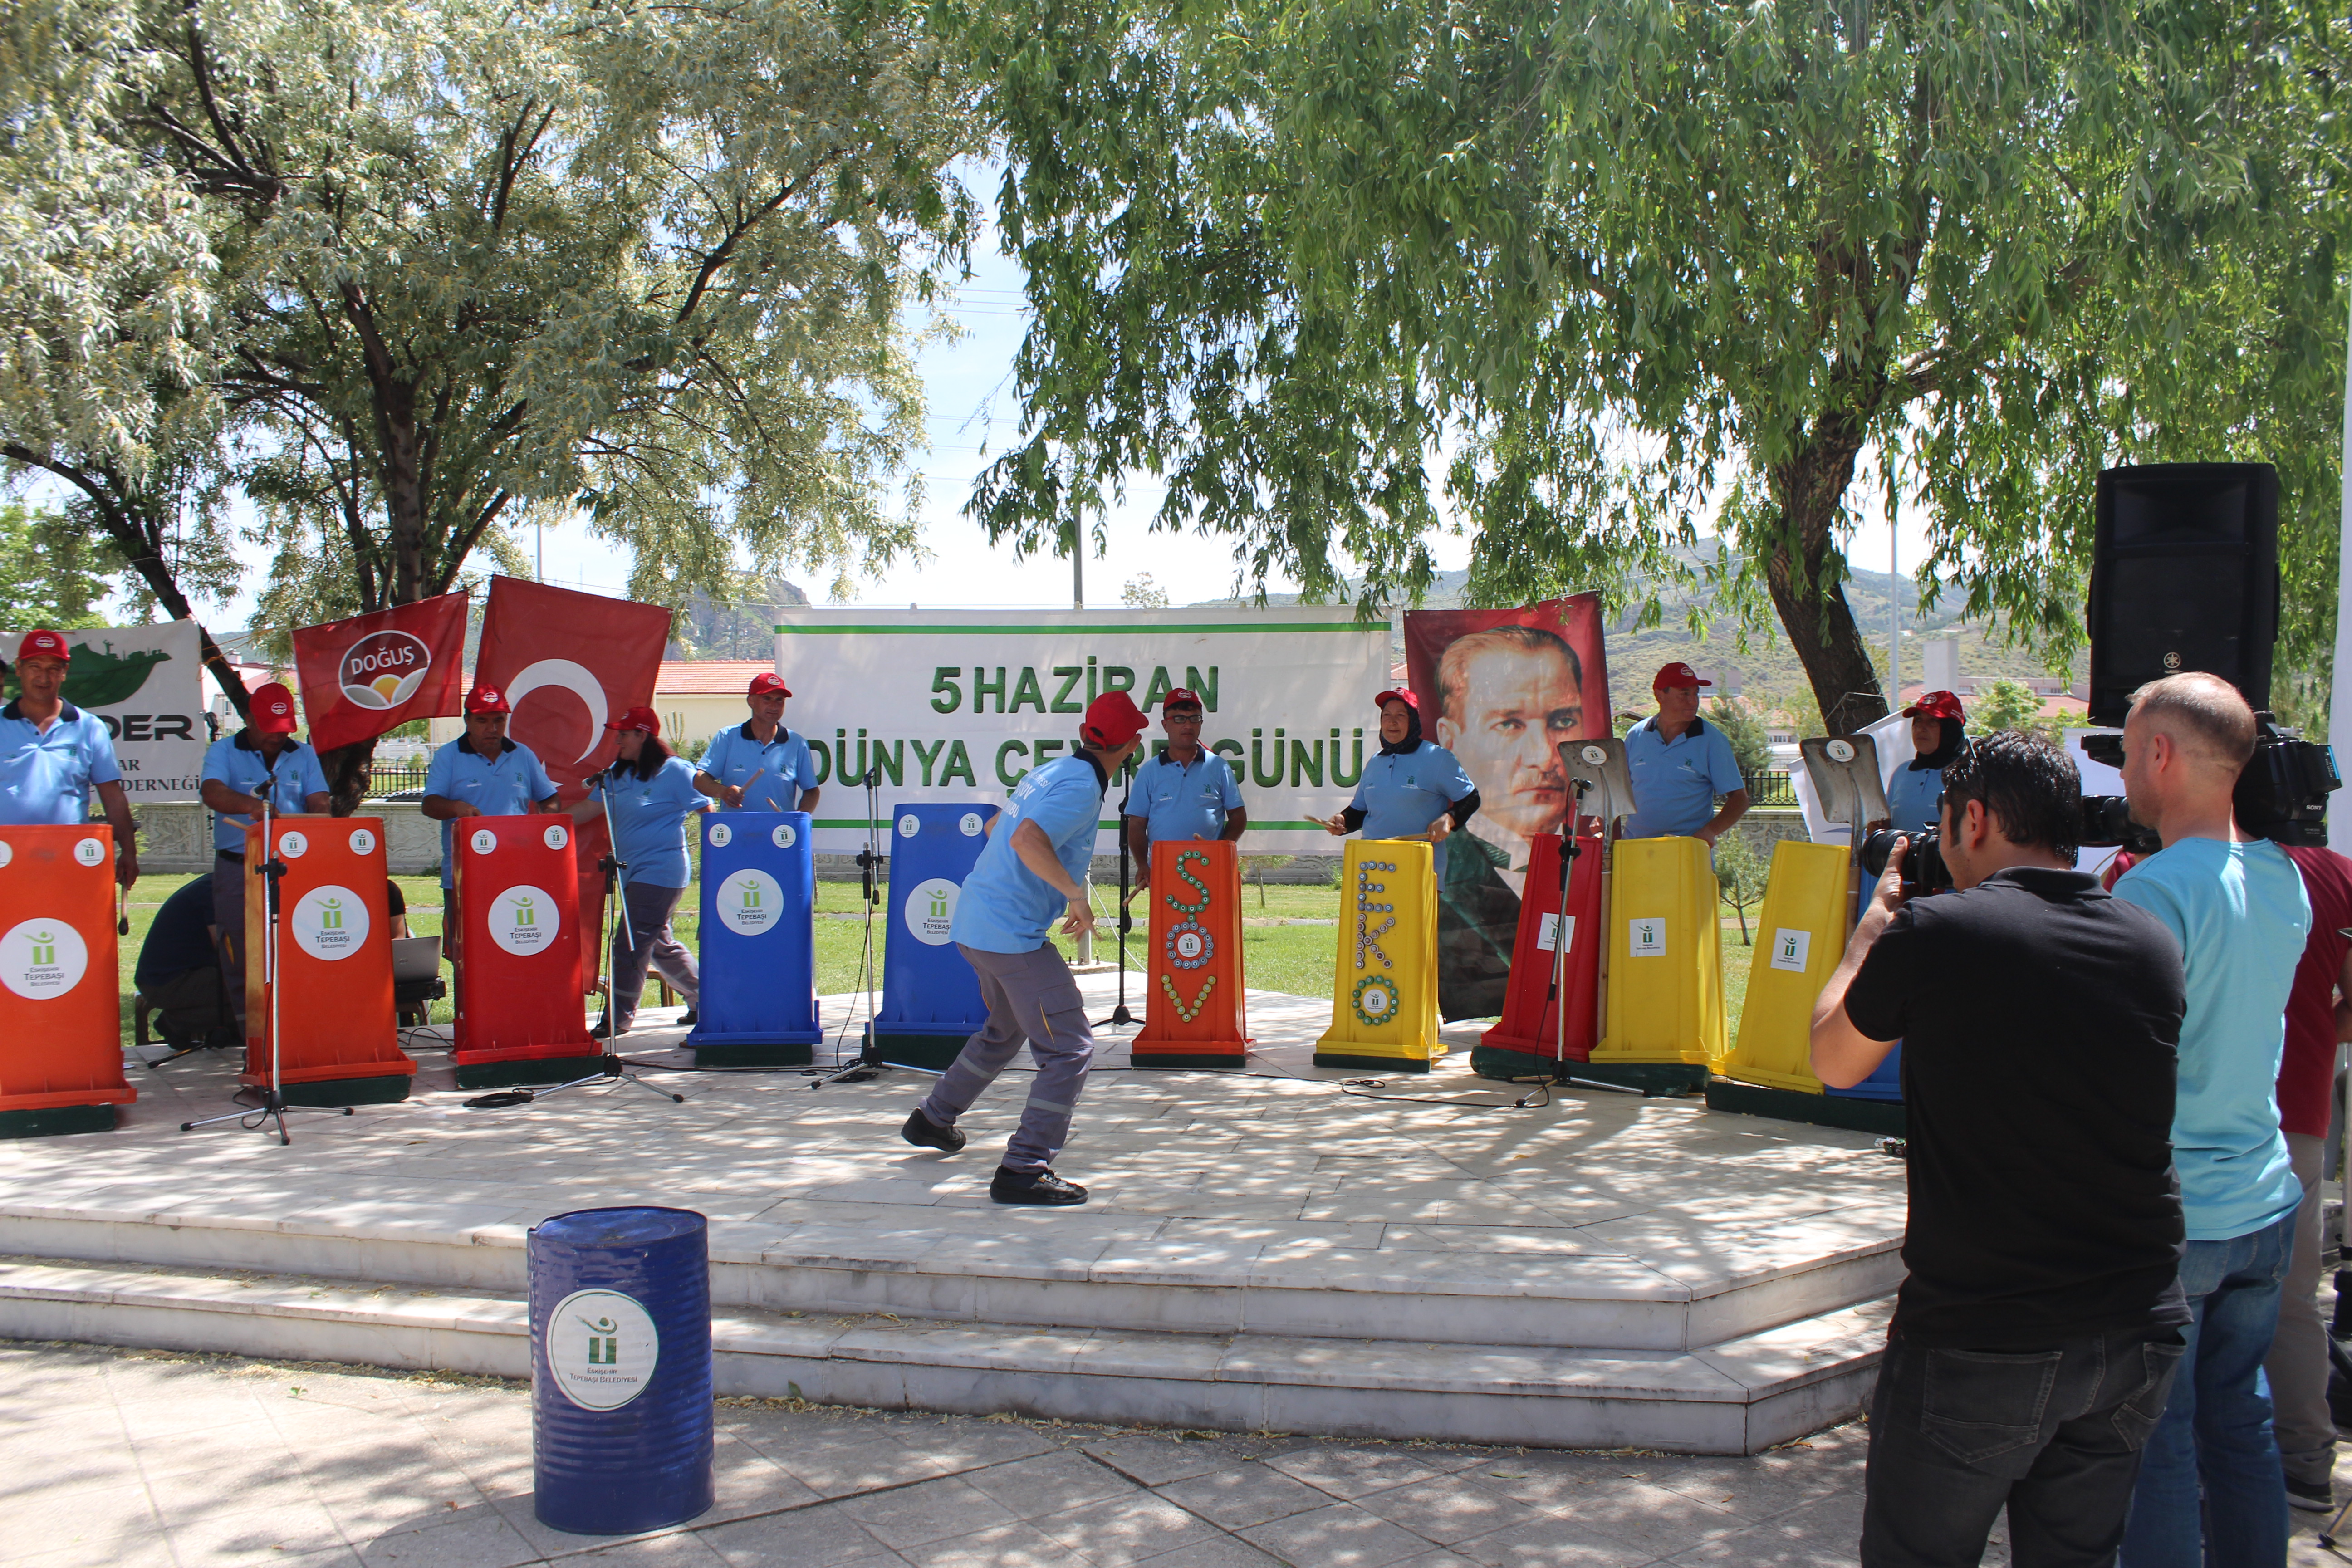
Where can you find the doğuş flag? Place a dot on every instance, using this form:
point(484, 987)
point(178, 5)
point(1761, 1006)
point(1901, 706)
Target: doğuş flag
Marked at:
point(568, 662)
point(376, 672)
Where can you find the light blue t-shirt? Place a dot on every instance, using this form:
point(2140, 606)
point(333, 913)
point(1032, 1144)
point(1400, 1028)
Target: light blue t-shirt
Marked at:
point(237, 762)
point(1005, 907)
point(649, 820)
point(2241, 914)
point(504, 785)
point(1914, 798)
point(46, 777)
point(1676, 782)
point(783, 765)
point(1402, 792)
point(1183, 800)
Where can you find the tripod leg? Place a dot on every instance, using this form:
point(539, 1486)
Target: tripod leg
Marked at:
point(649, 1089)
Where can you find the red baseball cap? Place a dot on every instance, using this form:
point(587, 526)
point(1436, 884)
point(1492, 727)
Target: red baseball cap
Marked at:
point(1935, 705)
point(1676, 674)
point(1178, 697)
point(767, 681)
point(486, 699)
point(1112, 720)
point(642, 719)
point(273, 710)
point(1407, 698)
point(42, 643)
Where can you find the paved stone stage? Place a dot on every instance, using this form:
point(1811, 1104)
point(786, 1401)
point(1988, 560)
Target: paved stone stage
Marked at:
point(1262, 1252)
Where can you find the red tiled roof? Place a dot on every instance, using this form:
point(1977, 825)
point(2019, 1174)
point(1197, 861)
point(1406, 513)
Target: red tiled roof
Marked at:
point(708, 676)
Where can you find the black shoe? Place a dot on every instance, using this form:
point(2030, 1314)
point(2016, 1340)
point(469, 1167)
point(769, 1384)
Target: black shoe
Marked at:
point(603, 1029)
point(690, 1018)
point(1034, 1187)
point(925, 1133)
point(2320, 1497)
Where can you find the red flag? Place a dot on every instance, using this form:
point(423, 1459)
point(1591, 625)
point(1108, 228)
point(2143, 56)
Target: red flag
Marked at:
point(376, 672)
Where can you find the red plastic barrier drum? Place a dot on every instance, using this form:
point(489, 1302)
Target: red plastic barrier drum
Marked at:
point(337, 1042)
point(1530, 1025)
point(1194, 1016)
point(519, 1015)
point(60, 1007)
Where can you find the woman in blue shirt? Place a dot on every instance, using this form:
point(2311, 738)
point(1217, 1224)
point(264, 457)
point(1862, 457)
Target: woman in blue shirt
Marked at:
point(1914, 796)
point(651, 791)
point(1413, 789)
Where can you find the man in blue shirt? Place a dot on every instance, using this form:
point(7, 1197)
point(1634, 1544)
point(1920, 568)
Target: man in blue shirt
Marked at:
point(1185, 792)
point(1032, 872)
point(480, 774)
point(262, 758)
point(54, 755)
point(761, 766)
point(1680, 763)
point(2238, 908)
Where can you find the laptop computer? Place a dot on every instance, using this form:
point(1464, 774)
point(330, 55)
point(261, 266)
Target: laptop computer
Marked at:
point(416, 957)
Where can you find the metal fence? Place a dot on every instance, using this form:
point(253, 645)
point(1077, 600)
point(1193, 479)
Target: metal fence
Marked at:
point(1770, 789)
point(395, 778)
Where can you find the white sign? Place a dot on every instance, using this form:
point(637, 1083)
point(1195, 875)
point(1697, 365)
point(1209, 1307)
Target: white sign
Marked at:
point(484, 841)
point(362, 841)
point(721, 836)
point(525, 920)
point(962, 705)
point(146, 684)
point(1548, 933)
point(329, 922)
point(42, 959)
point(293, 845)
point(930, 911)
point(1791, 949)
point(784, 837)
point(556, 837)
point(602, 1348)
point(1645, 938)
point(750, 902)
point(970, 825)
point(90, 852)
point(909, 824)
point(7, 852)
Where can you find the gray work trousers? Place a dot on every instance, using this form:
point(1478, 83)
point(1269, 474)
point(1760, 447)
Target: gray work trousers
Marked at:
point(649, 909)
point(2296, 1367)
point(1029, 995)
point(229, 918)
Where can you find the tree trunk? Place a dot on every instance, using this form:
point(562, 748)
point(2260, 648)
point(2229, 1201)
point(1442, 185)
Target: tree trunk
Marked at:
point(1820, 626)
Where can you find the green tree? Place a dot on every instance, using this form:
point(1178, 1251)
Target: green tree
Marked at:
point(1743, 726)
point(2004, 704)
point(1143, 594)
point(49, 575)
point(1741, 873)
point(464, 262)
point(1625, 256)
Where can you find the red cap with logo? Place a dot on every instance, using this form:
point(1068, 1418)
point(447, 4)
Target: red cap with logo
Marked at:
point(273, 710)
point(42, 643)
point(644, 720)
point(1676, 674)
point(1112, 720)
point(1407, 698)
point(767, 681)
point(486, 699)
point(1935, 705)
point(1178, 697)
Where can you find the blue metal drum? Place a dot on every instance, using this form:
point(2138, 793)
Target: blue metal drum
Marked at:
point(1884, 1082)
point(758, 1005)
point(620, 1354)
point(930, 997)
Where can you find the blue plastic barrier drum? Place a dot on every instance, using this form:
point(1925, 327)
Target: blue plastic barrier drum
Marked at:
point(930, 997)
point(620, 1358)
point(1884, 1082)
point(758, 940)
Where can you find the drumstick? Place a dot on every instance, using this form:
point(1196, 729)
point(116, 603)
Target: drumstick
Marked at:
point(753, 780)
point(121, 910)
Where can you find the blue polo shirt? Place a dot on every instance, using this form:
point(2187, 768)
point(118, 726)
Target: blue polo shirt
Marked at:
point(237, 762)
point(505, 785)
point(1915, 798)
point(783, 765)
point(2241, 914)
point(46, 775)
point(1402, 792)
point(649, 819)
point(1005, 907)
point(1183, 800)
point(1676, 782)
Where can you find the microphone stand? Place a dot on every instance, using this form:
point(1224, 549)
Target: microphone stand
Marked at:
point(872, 869)
point(273, 1106)
point(1119, 1016)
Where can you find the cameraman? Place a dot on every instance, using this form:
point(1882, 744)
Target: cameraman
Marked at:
point(2036, 1335)
point(2237, 905)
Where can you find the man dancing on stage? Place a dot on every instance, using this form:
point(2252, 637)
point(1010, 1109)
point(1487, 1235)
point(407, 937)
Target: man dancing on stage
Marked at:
point(1033, 869)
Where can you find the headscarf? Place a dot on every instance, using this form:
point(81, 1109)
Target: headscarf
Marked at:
point(1412, 742)
point(1955, 736)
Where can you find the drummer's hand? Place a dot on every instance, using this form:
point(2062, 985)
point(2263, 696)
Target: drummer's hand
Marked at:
point(1081, 917)
point(1440, 828)
point(1335, 824)
point(731, 794)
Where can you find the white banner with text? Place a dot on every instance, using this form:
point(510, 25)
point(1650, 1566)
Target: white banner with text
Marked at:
point(146, 683)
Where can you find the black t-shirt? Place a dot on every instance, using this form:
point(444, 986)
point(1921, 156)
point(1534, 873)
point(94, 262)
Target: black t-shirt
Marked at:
point(395, 902)
point(181, 939)
point(2041, 1026)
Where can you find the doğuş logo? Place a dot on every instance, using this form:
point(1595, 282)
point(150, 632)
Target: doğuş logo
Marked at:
point(384, 670)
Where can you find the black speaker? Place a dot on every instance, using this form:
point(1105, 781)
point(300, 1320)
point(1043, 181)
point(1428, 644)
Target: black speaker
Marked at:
point(2184, 576)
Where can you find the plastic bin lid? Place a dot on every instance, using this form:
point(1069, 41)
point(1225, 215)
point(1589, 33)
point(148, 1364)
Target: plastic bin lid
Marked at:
point(619, 1226)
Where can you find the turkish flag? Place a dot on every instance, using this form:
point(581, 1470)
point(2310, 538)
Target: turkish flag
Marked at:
point(568, 662)
point(376, 672)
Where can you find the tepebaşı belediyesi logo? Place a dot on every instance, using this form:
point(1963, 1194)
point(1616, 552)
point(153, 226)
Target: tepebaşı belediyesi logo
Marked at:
point(384, 670)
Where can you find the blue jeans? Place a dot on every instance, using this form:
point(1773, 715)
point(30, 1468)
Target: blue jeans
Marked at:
point(2213, 1446)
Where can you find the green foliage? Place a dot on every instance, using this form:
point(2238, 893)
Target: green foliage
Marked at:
point(693, 751)
point(2012, 705)
point(1626, 259)
point(1741, 872)
point(1143, 594)
point(49, 574)
point(1743, 726)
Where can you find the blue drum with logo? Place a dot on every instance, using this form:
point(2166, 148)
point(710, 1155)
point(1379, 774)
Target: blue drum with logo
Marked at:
point(758, 941)
point(930, 997)
point(620, 1360)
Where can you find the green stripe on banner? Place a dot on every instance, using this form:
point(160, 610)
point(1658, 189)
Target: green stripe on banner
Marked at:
point(997, 631)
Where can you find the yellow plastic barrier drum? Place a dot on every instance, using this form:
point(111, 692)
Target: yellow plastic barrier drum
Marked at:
point(1799, 937)
point(1384, 997)
point(1665, 956)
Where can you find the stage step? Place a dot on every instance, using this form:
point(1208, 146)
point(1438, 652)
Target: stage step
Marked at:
point(1740, 1395)
point(1060, 1269)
